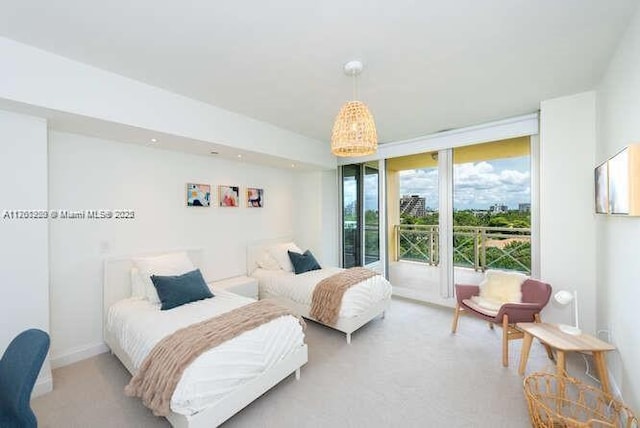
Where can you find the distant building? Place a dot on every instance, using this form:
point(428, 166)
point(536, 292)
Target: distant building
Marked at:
point(479, 213)
point(524, 208)
point(498, 209)
point(350, 208)
point(413, 205)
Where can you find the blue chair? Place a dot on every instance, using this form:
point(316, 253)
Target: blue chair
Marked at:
point(19, 368)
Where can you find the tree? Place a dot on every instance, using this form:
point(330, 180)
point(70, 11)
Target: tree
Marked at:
point(465, 218)
point(516, 255)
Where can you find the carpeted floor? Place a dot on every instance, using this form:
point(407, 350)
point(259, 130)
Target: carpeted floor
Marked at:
point(406, 370)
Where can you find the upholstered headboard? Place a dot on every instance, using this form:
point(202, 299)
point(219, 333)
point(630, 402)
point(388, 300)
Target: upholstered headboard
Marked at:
point(256, 249)
point(117, 275)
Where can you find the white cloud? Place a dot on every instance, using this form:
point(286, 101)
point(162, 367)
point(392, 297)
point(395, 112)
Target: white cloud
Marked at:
point(476, 185)
point(423, 182)
point(350, 190)
point(481, 184)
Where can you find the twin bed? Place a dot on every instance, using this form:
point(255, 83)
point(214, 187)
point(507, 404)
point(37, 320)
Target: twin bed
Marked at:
point(360, 304)
point(223, 380)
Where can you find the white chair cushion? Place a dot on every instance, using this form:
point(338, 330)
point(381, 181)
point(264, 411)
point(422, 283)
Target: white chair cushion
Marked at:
point(490, 304)
point(486, 306)
point(476, 307)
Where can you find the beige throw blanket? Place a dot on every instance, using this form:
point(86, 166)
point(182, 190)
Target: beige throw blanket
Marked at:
point(157, 378)
point(327, 296)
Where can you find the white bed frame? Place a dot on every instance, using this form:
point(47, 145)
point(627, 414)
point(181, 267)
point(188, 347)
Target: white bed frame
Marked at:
point(345, 325)
point(117, 286)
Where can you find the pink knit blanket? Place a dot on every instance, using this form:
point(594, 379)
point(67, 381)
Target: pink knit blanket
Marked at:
point(158, 376)
point(327, 296)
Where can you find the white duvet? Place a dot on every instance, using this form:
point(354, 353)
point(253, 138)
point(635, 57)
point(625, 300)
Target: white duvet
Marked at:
point(138, 325)
point(299, 288)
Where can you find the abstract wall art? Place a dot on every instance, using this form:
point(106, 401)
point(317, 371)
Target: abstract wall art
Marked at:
point(229, 196)
point(198, 195)
point(255, 197)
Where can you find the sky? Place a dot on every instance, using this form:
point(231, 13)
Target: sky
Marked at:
point(477, 185)
point(370, 191)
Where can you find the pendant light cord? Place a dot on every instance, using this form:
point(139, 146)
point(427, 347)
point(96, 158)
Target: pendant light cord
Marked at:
point(355, 86)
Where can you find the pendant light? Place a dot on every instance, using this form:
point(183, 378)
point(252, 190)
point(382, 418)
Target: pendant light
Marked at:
point(354, 131)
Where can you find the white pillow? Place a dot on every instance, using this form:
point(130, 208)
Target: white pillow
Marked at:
point(266, 261)
point(280, 254)
point(138, 288)
point(165, 264)
point(502, 287)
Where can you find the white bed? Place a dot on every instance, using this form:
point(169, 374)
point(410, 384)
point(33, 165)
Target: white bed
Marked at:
point(360, 304)
point(221, 381)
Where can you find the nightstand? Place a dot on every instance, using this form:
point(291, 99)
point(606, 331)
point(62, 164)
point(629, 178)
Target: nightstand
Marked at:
point(242, 285)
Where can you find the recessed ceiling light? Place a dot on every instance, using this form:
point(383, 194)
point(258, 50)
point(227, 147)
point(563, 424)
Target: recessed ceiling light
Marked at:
point(154, 140)
point(293, 165)
point(215, 153)
point(239, 156)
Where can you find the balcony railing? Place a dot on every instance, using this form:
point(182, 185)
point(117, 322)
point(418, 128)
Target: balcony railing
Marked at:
point(479, 248)
point(351, 243)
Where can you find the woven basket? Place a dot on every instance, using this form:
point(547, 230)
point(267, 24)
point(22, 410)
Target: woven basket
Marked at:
point(558, 401)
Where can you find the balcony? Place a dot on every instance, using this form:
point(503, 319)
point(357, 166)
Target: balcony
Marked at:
point(478, 248)
point(414, 269)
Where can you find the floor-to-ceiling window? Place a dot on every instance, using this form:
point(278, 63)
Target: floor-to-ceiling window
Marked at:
point(360, 214)
point(351, 216)
point(414, 217)
point(371, 214)
point(455, 213)
point(491, 208)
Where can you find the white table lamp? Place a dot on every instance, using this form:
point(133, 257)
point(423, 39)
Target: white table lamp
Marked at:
point(565, 297)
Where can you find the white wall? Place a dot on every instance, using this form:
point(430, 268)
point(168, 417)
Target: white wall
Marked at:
point(618, 240)
point(567, 219)
point(315, 207)
point(24, 265)
point(329, 222)
point(89, 173)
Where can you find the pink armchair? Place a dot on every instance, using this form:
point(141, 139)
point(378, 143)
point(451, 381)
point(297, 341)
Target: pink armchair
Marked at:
point(535, 296)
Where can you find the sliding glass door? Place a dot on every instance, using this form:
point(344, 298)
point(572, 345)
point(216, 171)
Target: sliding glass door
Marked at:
point(491, 208)
point(414, 215)
point(351, 217)
point(360, 214)
point(371, 213)
point(451, 214)
point(446, 216)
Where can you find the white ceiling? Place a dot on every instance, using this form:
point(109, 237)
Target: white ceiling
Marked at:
point(429, 65)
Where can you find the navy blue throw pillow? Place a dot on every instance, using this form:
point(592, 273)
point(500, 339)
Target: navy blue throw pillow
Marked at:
point(177, 290)
point(303, 262)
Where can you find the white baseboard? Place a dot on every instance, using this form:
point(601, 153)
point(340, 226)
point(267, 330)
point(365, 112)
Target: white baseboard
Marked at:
point(78, 354)
point(42, 386)
point(412, 294)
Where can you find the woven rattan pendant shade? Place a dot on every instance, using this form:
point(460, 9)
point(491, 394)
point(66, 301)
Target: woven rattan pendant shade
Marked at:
point(354, 131)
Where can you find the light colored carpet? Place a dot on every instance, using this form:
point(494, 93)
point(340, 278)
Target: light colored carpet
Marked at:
point(406, 370)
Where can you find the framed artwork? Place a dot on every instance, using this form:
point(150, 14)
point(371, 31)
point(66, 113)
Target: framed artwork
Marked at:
point(229, 196)
point(602, 188)
point(198, 195)
point(619, 183)
point(255, 197)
